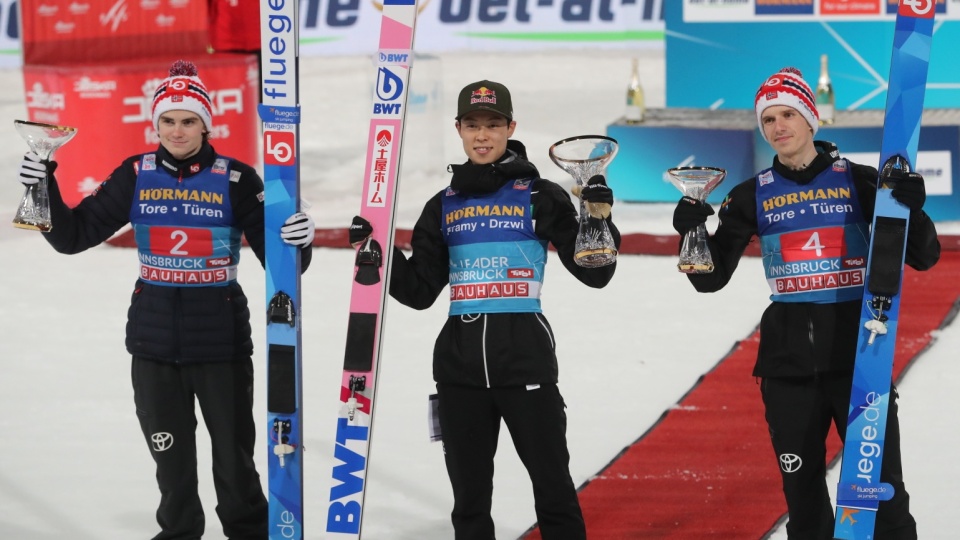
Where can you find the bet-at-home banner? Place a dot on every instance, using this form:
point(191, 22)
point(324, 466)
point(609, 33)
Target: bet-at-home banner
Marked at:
point(344, 27)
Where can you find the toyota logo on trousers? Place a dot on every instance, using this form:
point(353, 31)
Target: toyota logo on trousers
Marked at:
point(163, 441)
point(790, 463)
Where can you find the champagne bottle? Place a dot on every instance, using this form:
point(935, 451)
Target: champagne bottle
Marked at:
point(825, 97)
point(636, 107)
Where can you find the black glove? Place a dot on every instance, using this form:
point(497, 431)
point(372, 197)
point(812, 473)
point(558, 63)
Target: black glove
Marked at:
point(689, 214)
point(360, 230)
point(597, 195)
point(908, 188)
point(596, 191)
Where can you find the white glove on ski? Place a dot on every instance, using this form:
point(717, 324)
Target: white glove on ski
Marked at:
point(32, 170)
point(298, 230)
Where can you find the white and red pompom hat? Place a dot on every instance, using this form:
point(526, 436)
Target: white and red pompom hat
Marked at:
point(787, 87)
point(182, 91)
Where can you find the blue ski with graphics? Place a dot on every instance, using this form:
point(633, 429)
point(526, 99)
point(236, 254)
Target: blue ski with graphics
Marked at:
point(860, 491)
point(280, 112)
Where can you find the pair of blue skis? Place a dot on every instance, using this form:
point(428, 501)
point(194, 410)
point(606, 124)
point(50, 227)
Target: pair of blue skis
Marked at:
point(860, 491)
point(280, 113)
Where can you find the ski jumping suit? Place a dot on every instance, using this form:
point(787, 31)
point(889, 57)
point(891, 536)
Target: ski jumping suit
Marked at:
point(188, 325)
point(486, 236)
point(813, 229)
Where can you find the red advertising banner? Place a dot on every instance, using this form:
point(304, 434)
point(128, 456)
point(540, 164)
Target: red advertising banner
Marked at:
point(850, 7)
point(66, 32)
point(109, 104)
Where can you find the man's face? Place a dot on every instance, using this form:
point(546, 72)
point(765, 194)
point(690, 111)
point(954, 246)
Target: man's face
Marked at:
point(786, 130)
point(181, 133)
point(484, 135)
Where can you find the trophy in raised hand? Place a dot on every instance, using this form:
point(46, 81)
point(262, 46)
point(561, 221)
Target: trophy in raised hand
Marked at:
point(583, 157)
point(696, 183)
point(34, 210)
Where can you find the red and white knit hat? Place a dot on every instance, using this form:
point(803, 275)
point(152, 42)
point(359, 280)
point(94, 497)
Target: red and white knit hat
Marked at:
point(787, 87)
point(182, 91)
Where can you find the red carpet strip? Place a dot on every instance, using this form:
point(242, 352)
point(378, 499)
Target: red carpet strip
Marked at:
point(707, 469)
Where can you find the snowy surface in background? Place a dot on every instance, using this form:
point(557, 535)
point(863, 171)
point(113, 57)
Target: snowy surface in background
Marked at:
point(73, 463)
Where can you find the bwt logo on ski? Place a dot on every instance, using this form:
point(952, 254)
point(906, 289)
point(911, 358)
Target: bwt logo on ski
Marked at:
point(396, 59)
point(343, 515)
point(279, 148)
point(389, 89)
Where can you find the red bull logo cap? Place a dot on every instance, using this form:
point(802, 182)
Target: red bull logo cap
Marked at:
point(485, 96)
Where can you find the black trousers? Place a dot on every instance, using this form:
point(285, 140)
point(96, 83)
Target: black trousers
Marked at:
point(470, 426)
point(164, 395)
point(799, 413)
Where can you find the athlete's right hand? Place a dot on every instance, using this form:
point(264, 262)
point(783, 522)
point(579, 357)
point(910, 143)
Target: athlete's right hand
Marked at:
point(360, 230)
point(689, 214)
point(32, 169)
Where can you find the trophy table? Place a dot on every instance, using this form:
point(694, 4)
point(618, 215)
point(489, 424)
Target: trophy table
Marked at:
point(583, 157)
point(34, 210)
point(696, 183)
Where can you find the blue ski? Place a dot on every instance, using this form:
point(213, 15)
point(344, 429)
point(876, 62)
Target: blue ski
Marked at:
point(860, 491)
point(280, 112)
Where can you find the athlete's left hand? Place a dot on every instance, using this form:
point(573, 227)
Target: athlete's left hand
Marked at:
point(908, 188)
point(298, 230)
point(597, 195)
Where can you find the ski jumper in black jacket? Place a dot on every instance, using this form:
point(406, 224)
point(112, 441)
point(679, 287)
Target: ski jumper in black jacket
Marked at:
point(188, 341)
point(811, 212)
point(489, 361)
point(807, 348)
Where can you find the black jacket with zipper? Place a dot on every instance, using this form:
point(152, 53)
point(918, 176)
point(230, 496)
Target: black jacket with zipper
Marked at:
point(171, 324)
point(804, 339)
point(497, 349)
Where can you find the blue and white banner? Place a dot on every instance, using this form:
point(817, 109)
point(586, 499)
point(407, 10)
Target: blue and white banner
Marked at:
point(9, 34)
point(489, 25)
point(332, 27)
point(852, 33)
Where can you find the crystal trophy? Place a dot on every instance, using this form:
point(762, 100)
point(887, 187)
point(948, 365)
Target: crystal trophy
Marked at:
point(583, 157)
point(43, 139)
point(696, 183)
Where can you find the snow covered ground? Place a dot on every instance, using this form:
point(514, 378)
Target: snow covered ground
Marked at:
point(72, 460)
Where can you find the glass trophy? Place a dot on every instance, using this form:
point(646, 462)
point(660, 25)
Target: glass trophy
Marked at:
point(583, 157)
point(696, 183)
point(43, 139)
